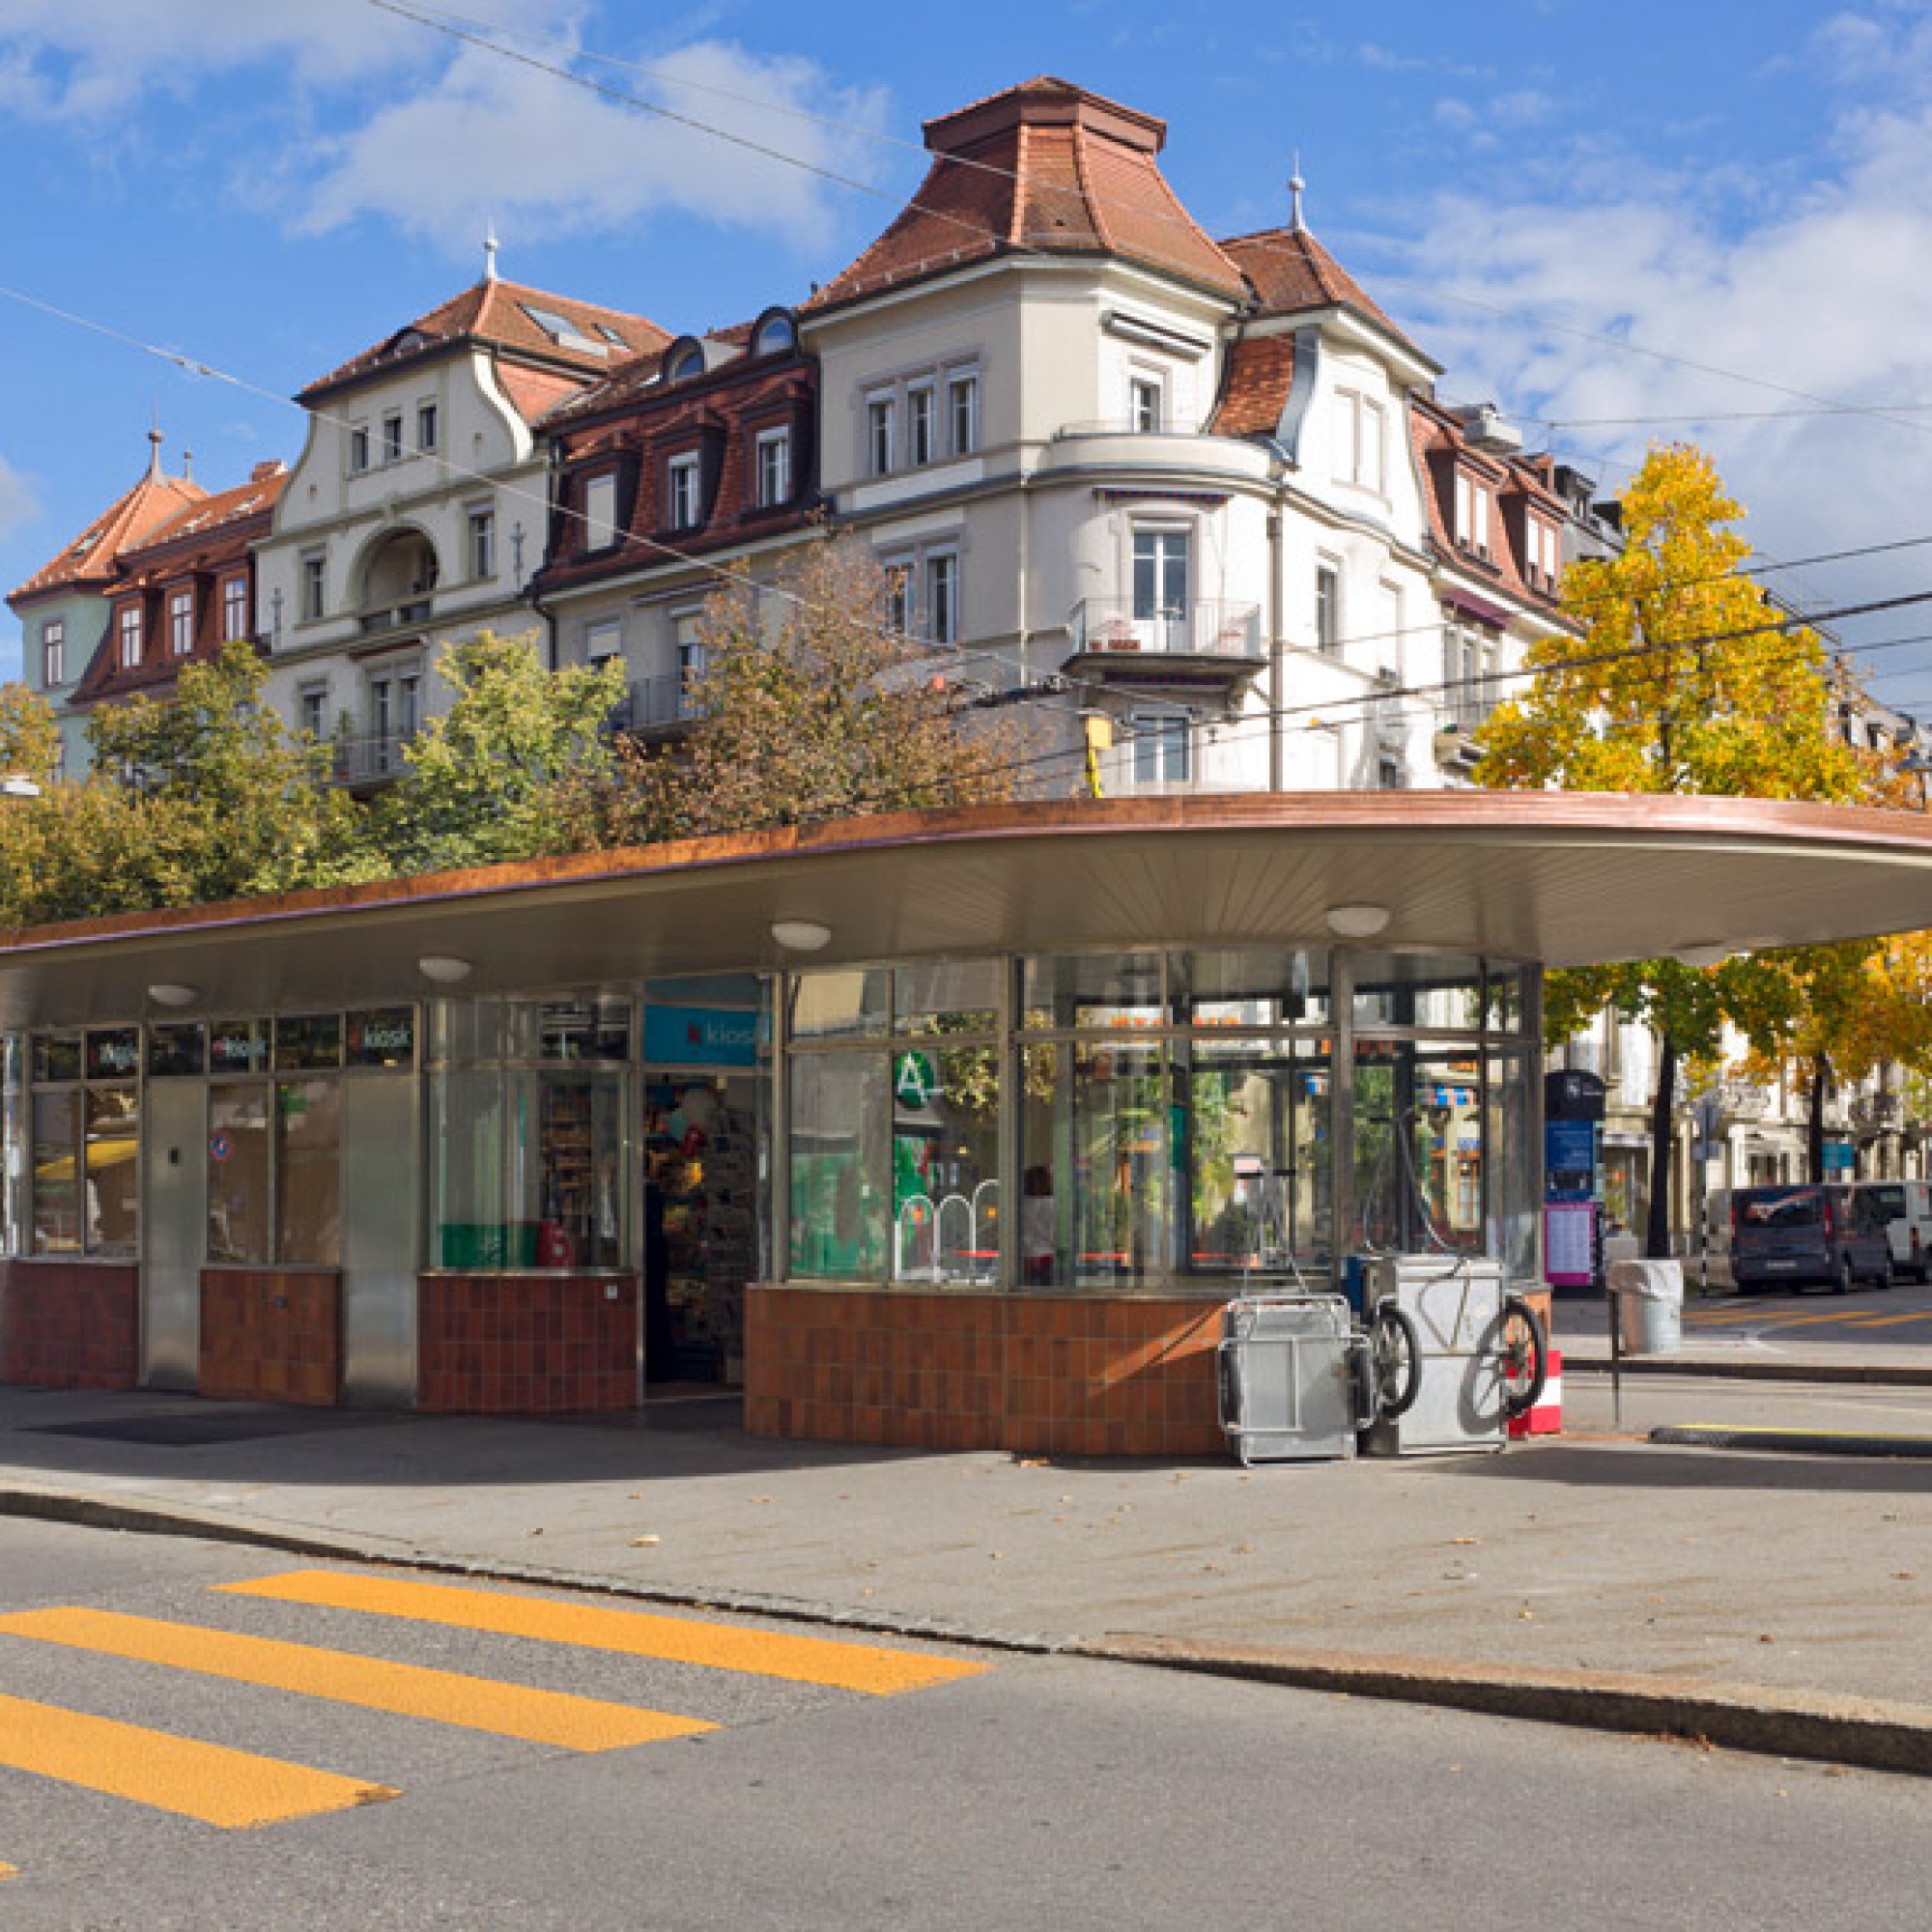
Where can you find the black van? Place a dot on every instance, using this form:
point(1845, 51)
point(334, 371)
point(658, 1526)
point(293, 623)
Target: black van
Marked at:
point(1830, 1235)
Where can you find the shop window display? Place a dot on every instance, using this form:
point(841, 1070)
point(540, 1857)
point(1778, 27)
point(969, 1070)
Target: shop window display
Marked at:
point(85, 1115)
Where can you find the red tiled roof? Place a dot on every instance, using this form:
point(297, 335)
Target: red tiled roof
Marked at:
point(1292, 270)
point(1440, 444)
point(1048, 167)
point(501, 315)
point(535, 392)
point(206, 535)
point(1260, 372)
point(90, 558)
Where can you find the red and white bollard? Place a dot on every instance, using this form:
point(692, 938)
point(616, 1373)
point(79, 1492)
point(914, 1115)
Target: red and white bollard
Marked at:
point(1545, 1417)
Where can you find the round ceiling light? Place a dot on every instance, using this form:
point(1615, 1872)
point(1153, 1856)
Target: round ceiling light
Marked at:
point(1358, 922)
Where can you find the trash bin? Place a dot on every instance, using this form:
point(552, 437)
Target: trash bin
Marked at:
point(1650, 1306)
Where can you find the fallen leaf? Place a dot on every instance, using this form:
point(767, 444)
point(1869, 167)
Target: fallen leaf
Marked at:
point(645, 1542)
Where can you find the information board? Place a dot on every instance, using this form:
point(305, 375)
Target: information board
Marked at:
point(1570, 1243)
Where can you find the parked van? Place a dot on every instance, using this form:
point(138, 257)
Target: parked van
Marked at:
point(1791, 1236)
point(1907, 1208)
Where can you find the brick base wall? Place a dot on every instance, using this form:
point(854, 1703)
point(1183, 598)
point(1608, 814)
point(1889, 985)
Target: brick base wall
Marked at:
point(525, 1344)
point(271, 1335)
point(1036, 1374)
point(70, 1324)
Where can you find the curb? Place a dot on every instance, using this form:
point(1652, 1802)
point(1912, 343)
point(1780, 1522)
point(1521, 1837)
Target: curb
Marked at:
point(1846, 1730)
point(1792, 1441)
point(1739, 1369)
point(1734, 1717)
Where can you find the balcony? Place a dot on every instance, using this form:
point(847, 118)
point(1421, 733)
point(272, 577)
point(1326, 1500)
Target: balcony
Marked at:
point(656, 705)
point(395, 618)
point(1107, 637)
point(371, 758)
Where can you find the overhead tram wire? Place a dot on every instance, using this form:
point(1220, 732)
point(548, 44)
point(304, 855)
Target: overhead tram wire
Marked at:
point(725, 574)
point(722, 572)
point(482, 41)
point(478, 35)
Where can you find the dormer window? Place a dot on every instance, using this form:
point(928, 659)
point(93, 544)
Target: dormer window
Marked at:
point(1472, 514)
point(777, 335)
point(600, 511)
point(131, 636)
point(1542, 548)
point(682, 473)
point(773, 467)
point(685, 364)
point(181, 623)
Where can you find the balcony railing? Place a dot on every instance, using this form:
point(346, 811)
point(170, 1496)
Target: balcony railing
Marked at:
point(1209, 628)
point(395, 618)
point(657, 705)
point(370, 758)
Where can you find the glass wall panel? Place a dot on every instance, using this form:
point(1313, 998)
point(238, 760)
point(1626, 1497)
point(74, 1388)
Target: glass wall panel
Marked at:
point(308, 1043)
point(945, 1163)
point(56, 1155)
point(1419, 1156)
point(1262, 988)
point(113, 1169)
point(841, 1004)
point(177, 1052)
point(308, 1172)
point(236, 1046)
point(13, 1135)
point(1515, 1223)
point(581, 1171)
point(56, 1057)
point(947, 996)
point(1407, 991)
point(1504, 997)
point(240, 1217)
point(841, 1165)
point(1109, 989)
point(1257, 1157)
point(471, 1220)
point(1095, 1121)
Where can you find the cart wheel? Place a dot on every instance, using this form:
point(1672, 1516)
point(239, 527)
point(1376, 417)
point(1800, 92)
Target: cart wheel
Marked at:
point(1525, 1355)
point(1362, 1384)
point(1396, 1350)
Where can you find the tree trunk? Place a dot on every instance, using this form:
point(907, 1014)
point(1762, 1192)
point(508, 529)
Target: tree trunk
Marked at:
point(1662, 1151)
point(1815, 1120)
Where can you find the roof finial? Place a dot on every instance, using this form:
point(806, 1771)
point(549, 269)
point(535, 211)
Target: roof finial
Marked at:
point(187, 464)
point(490, 250)
point(154, 440)
point(1296, 186)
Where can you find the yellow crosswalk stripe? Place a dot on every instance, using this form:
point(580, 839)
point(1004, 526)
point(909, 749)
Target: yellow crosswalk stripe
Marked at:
point(230, 1788)
point(806, 1659)
point(444, 1696)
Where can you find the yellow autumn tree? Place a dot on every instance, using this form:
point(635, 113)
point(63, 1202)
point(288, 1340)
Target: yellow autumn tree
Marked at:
point(1680, 678)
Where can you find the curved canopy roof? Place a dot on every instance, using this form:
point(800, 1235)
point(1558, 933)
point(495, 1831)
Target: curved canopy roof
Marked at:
point(1561, 877)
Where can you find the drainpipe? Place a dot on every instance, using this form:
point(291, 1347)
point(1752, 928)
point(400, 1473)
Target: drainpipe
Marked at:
point(1277, 751)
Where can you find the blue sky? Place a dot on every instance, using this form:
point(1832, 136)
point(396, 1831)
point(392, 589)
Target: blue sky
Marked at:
point(266, 187)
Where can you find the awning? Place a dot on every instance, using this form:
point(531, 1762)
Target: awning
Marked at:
point(1563, 878)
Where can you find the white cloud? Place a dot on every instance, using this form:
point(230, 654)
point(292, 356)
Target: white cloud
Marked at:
point(87, 59)
point(1825, 295)
point(498, 139)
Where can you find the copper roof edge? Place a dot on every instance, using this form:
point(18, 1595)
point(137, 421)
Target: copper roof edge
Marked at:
point(1593, 817)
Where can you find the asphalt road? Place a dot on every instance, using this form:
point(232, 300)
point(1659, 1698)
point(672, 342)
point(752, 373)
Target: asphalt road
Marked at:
point(1895, 1316)
point(1029, 1792)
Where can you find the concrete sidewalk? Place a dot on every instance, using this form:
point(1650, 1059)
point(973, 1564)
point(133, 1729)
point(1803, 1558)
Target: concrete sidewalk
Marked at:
point(1771, 1601)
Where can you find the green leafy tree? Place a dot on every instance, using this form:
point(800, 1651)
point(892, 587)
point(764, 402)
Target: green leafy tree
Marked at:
point(812, 705)
point(29, 736)
point(495, 777)
point(1681, 681)
point(198, 797)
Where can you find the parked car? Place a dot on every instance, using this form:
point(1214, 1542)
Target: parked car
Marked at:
point(1907, 1208)
point(1827, 1235)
